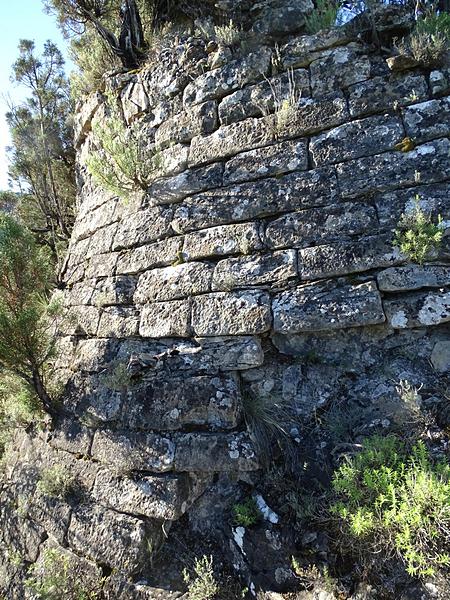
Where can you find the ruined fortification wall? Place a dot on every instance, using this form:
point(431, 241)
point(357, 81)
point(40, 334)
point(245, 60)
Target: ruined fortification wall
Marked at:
point(259, 263)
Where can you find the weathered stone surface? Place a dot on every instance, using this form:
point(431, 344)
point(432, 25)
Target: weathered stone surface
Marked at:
point(31, 534)
point(109, 537)
point(71, 436)
point(83, 118)
point(267, 162)
point(166, 319)
point(348, 257)
point(309, 227)
point(172, 283)
point(232, 353)
point(241, 238)
point(440, 357)
point(312, 116)
point(254, 200)
point(135, 101)
point(235, 75)
point(80, 320)
point(168, 403)
point(117, 587)
point(159, 497)
point(200, 120)
point(80, 294)
point(428, 120)
point(197, 452)
point(338, 69)
point(301, 51)
point(113, 290)
point(95, 219)
point(132, 451)
point(326, 306)
point(257, 100)
point(413, 277)
point(229, 140)
point(380, 94)
point(192, 181)
point(280, 17)
point(395, 169)
point(143, 227)
point(401, 62)
point(236, 313)
point(158, 254)
point(255, 270)
point(101, 240)
point(358, 138)
point(440, 82)
point(171, 161)
point(119, 321)
point(102, 265)
point(418, 310)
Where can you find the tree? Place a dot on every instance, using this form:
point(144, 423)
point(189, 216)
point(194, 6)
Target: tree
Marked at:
point(26, 321)
point(42, 156)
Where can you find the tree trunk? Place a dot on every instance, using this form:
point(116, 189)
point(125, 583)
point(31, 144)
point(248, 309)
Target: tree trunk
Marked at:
point(39, 387)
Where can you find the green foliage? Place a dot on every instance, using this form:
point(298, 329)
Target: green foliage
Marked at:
point(56, 482)
point(429, 42)
point(391, 500)
point(26, 319)
point(201, 582)
point(56, 577)
point(323, 16)
point(122, 162)
point(118, 378)
point(417, 236)
point(246, 513)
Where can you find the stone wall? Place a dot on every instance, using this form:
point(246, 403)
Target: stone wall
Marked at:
point(259, 263)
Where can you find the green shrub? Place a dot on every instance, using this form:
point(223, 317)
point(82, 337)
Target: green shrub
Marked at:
point(393, 501)
point(201, 583)
point(56, 578)
point(246, 513)
point(429, 42)
point(417, 236)
point(56, 482)
point(323, 16)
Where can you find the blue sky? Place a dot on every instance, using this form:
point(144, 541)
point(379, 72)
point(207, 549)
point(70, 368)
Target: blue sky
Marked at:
point(21, 19)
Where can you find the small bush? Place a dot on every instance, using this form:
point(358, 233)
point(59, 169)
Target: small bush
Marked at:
point(56, 577)
point(117, 379)
point(202, 584)
point(429, 42)
point(417, 236)
point(56, 482)
point(246, 513)
point(391, 501)
point(323, 16)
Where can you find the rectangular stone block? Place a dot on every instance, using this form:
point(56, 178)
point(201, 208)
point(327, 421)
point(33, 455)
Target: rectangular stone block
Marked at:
point(413, 277)
point(325, 306)
point(420, 309)
point(166, 319)
point(308, 227)
point(233, 313)
point(172, 283)
point(257, 199)
point(187, 183)
point(428, 120)
point(143, 227)
point(242, 238)
point(267, 162)
point(181, 128)
point(118, 322)
point(254, 270)
point(348, 257)
point(338, 69)
point(311, 116)
point(80, 320)
point(302, 50)
point(394, 169)
point(113, 290)
point(358, 138)
point(158, 254)
point(102, 265)
point(101, 240)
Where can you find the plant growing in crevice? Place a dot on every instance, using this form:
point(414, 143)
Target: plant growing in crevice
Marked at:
point(201, 580)
point(56, 482)
point(429, 42)
point(417, 236)
point(246, 513)
point(323, 16)
point(285, 103)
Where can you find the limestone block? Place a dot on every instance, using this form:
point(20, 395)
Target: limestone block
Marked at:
point(308, 227)
point(326, 306)
point(71, 436)
point(80, 320)
point(257, 199)
point(281, 17)
point(117, 586)
point(420, 309)
point(235, 75)
point(79, 294)
point(153, 496)
point(101, 240)
point(338, 69)
point(135, 101)
point(90, 354)
point(199, 120)
point(380, 94)
point(83, 117)
point(267, 162)
point(413, 277)
point(229, 140)
point(119, 321)
point(440, 82)
point(114, 290)
point(110, 538)
point(187, 183)
point(336, 259)
point(254, 270)
point(256, 100)
point(133, 451)
point(440, 357)
point(358, 138)
point(101, 265)
point(31, 534)
point(233, 313)
point(302, 50)
point(242, 238)
point(165, 402)
point(203, 452)
point(171, 161)
point(143, 227)
point(311, 116)
point(158, 254)
point(166, 319)
point(428, 120)
point(231, 353)
point(171, 283)
point(394, 169)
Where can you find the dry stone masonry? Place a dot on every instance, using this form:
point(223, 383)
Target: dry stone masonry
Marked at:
point(260, 261)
